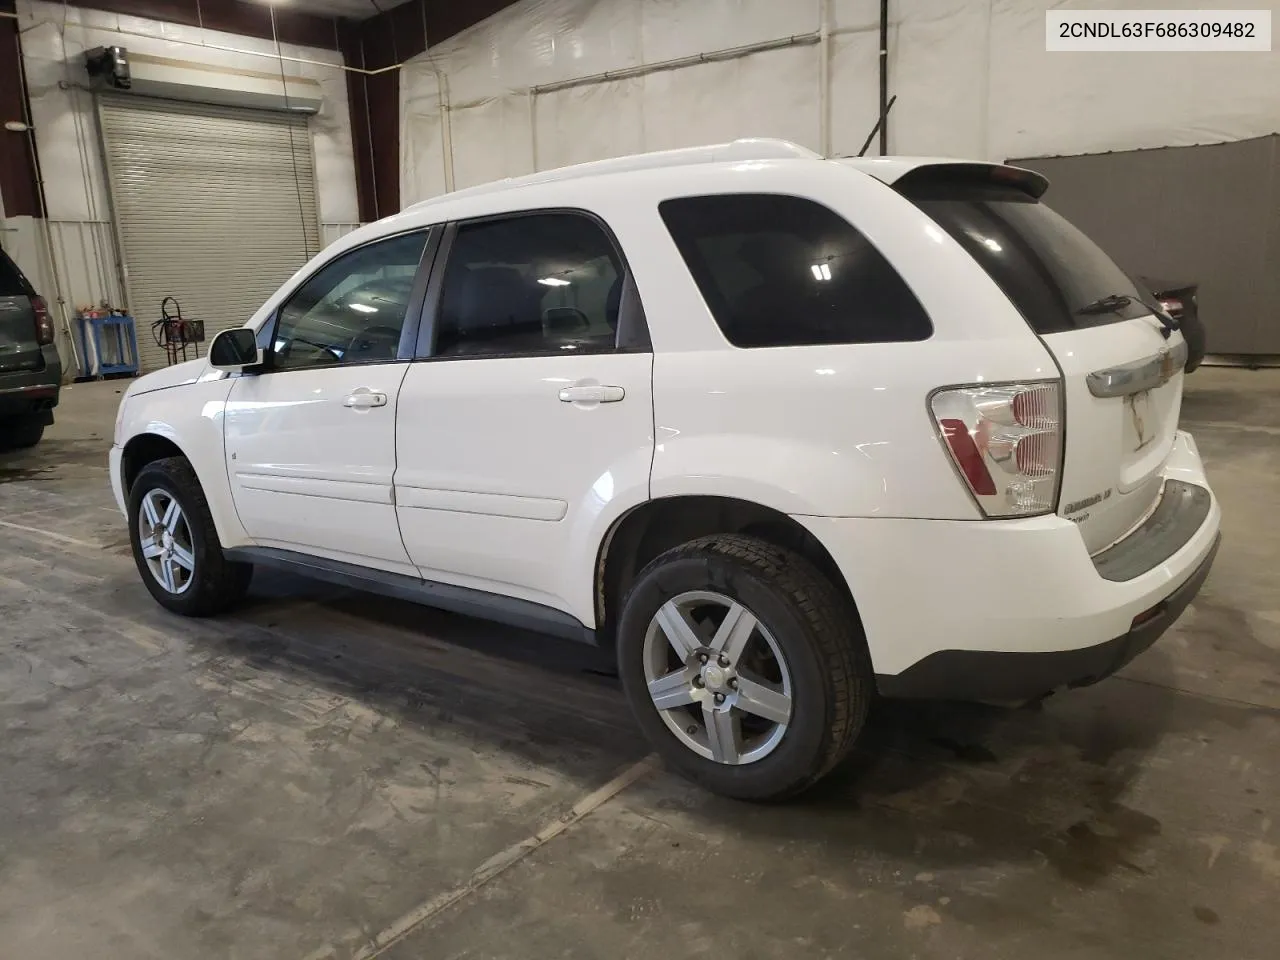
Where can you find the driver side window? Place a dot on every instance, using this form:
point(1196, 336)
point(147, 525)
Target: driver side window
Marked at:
point(352, 310)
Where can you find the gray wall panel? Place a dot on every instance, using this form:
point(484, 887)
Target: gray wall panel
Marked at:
point(1208, 213)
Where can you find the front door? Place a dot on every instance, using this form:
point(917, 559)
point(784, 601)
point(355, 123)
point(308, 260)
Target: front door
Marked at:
point(530, 424)
point(310, 441)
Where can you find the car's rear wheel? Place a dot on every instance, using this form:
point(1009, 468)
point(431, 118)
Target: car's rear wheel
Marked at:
point(175, 544)
point(20, 434)
point(744, 666)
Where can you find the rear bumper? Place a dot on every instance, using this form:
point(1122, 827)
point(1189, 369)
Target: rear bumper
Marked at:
point(1007, 610)
point(1002, 676)
point(27, 392)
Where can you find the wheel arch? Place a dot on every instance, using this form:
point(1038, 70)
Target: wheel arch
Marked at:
point(655, 526)
point(142, 449)
point(151, 445)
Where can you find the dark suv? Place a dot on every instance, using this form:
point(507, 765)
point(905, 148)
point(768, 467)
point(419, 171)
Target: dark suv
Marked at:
point(30, 371)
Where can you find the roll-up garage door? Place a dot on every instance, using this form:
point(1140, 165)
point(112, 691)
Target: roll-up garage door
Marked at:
point(213, 205)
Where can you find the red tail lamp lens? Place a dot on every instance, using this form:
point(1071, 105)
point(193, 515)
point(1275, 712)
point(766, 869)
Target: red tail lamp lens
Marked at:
point(967, 456)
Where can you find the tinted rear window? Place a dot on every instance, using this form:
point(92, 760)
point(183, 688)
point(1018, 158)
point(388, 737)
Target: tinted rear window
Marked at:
point(778, 271)
point(1049, 269)
point(12, 282)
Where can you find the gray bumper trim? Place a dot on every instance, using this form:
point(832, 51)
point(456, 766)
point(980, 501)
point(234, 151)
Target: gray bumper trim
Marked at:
point(1182, 510)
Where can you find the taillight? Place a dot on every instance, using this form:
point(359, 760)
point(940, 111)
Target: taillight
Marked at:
point(1006, 442)
point(1172, 306)
point(44, 323)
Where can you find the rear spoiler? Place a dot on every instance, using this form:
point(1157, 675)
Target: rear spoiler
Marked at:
point(973, 174)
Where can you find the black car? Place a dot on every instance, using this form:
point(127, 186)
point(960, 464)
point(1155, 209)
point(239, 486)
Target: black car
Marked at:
point(1179, 300)
point(30, 370)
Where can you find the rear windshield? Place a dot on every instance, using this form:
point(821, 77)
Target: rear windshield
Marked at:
point(1045, 266)
point(781, 271)
point(12, 282)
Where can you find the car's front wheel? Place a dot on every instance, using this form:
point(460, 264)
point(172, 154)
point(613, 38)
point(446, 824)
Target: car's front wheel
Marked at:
point(744, 666)
point(175, 544)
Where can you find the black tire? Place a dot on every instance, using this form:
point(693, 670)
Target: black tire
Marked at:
point(216, 582)
point(20, 434)
point(809, 619)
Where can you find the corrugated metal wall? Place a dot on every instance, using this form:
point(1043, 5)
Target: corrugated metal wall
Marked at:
point(87, 274)
point(83, 253)
point(86, 256)
point(330, 232)
point(1207, 214)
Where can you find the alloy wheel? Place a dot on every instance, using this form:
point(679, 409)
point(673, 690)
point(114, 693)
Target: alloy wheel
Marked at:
point(165, 540)
point(717, 677)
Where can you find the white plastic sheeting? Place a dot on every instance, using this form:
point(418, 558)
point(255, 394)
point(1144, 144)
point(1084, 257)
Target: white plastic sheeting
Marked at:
point(493, 118)
point(972, 79)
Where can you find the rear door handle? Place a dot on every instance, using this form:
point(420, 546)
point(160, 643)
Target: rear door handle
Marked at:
point(592, 393)
point(364, 398)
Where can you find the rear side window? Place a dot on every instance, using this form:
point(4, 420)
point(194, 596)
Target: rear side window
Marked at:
point(538, 283)
point(1051, 271)
point(779, 271)
point(12, 282)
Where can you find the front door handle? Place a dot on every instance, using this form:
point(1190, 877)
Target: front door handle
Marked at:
point(592, 393)
point(364, 398)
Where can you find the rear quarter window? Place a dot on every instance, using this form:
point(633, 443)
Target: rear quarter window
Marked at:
point(781, 271)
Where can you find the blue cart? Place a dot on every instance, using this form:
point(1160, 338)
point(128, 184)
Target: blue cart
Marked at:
point(110, 346)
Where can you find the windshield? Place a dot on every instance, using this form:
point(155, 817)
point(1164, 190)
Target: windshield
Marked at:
point(1049, 269)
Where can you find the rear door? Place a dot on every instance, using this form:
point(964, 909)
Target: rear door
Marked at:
point(530, 417)
point(1121, 361)
point(19, 347)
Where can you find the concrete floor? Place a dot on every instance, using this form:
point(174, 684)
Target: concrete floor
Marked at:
point(329, 775)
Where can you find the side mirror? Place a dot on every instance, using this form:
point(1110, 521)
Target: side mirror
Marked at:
point(234, 350)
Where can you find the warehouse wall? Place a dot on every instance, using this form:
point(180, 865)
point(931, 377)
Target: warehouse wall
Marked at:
point(53, 41)
point(64, 119)
point(972, 79)
point(1217, 229)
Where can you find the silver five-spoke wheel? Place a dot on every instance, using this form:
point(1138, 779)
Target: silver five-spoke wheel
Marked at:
point(717, 677)
point(166, 541)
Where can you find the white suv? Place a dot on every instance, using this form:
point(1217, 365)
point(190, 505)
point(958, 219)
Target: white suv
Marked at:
point(783, 432)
